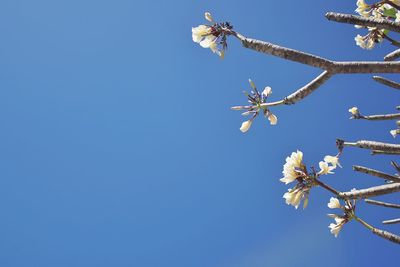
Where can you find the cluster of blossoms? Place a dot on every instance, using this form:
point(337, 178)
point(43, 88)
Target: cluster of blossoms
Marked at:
point(212, 36)
point(383, 9)
point(258, 103)
point(340, 220)
point(295, 170)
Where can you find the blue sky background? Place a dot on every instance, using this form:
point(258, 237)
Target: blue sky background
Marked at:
point(118, 148)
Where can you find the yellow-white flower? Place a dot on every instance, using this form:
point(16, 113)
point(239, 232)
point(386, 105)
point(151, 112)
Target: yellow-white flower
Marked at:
point(354, 111)
point(246, 126)
point(200, 32)
point(293, 197)
point(289, 169)
point(335, 228)
point(208, 16)
point(334, 203)
point(362, 8)
point(272, 119)
point(395, 132)
point(325, 168)
point(209, 42)
point(332, 160)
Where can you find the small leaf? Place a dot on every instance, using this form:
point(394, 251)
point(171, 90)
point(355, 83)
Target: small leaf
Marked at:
point(390, 12)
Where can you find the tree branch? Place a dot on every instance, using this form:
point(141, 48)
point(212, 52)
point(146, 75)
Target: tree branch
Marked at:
point(387, 235)
point(372, 191)
point(394, 116)
point(391, 221)
point(373, 145)
point(380, 152)
point(308, 88)
point(384, 234)
point(284, 52)
point(383, 204)
point(392, 56)
point(379, 23)
point(387, 82)
point(376, 173)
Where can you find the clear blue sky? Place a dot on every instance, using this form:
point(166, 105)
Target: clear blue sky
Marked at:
point(118, 148)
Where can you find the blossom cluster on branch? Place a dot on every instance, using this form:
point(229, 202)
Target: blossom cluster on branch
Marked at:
point(376, 18)
point(388, 10)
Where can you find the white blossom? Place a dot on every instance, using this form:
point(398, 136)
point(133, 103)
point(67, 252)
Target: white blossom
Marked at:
point(362, 8)
point(334, 203)
point(289, 169)
point(364, 42)
point(332, 160)
point(208, 16)
point(397, 17)
point(200, 32)
point(395, 132)
point(293, 197)
point(272, 119)
point(267, 91)
point(246, 126)
point(325, 168)
point(335, 228)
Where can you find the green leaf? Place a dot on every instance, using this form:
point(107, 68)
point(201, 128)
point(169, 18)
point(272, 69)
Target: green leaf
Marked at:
point(390, 12)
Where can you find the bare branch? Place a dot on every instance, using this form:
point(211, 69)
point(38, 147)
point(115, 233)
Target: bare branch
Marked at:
point(308, 88)
point(391, 221)
point(373, 145)
point(372, 191)
point(384, 234)
point(394, 116)
point(284, 52)
point(383, 204)
point(380, 152)
point(395, 165)
point(376, 173)
point(379, 23)
point(387, 82)
point(392, 56)
point(365, 67)
point(387, 235)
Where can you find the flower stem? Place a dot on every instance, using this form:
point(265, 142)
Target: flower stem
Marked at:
point(327, 187)
point(370, 227)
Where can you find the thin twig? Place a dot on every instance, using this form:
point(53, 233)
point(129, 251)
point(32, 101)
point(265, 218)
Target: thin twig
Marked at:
point(381, 152)
point(393, 221)
point(392, 56)
point(379, 23)
point(383, 204)
point(376, 173)
point(386, 82)
point(394, 116)
point(384, 234)
point(327, 187)
point(308, 88)
point(372, 191)
point(373, 145)
point(395, 165)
